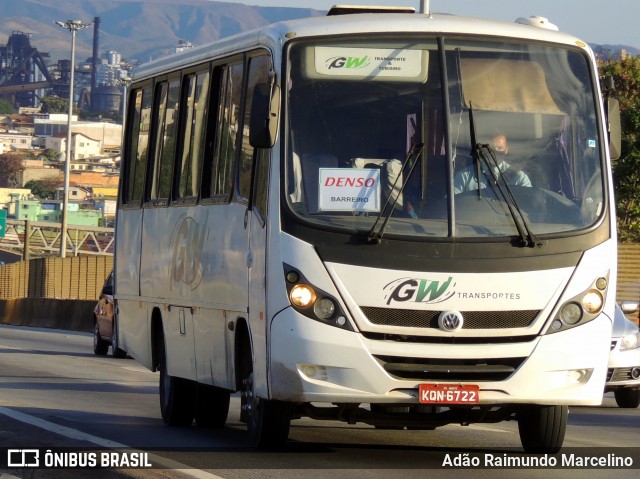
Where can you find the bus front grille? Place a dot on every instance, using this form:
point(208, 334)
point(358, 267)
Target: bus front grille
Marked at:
point(422, 369)
point(410, 318)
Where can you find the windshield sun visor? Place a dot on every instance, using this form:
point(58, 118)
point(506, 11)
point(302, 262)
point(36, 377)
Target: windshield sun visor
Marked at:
point(506, 85)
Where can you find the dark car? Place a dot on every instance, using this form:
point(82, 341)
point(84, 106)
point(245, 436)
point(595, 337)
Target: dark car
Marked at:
point(105, 324)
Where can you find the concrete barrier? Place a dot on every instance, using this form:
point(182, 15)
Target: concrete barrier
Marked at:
point(68, 314)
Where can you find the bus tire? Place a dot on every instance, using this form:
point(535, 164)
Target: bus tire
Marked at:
point(212, 406)
point(627, 398)
point(268, 421)
point(177, 396)
point(116, 352)
point(100, 346)
point(542, 428)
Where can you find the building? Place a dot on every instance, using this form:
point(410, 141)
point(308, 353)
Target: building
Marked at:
point(35, 210)
point(11, 141)
point(109, 134)
point(82, 146)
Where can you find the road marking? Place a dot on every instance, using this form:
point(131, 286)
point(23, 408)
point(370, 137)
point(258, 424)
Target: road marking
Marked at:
point(4, 346)
point(137, 370)
point(99, 441)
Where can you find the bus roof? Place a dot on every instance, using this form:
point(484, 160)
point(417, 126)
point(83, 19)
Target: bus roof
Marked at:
point(373, 23)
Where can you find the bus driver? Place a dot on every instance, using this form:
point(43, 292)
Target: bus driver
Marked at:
point(466, 179)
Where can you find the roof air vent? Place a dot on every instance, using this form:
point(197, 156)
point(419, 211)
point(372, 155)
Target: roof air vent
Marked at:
point(536, 21)
point(350, 9)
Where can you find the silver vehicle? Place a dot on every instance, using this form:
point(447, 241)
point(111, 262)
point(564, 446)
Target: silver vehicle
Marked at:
point(104, 323)
point(623, 375)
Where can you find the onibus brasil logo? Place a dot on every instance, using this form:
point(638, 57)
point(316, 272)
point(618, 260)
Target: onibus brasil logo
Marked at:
point(417, 290)
point(348, 62)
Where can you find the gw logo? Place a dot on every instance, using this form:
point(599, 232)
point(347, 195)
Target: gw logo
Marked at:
point(348, 62)
point(187, 242)
point(419, 290)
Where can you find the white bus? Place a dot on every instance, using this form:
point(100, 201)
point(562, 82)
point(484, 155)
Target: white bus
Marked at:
point(400, 219)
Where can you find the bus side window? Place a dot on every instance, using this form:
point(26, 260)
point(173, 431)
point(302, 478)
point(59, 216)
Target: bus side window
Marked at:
point(166, 124)
point(224, 107)
point(137, 147)
point(193, 129)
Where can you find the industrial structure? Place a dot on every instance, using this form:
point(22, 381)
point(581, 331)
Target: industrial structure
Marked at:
point(26, 76)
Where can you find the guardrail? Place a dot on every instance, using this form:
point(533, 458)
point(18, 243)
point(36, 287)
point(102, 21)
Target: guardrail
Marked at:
point(33, 239)
point(53, 292)
point(75, 278)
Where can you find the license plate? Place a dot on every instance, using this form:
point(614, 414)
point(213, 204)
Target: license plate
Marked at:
point(449, 394)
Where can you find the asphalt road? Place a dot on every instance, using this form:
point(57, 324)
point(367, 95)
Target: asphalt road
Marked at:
point(57, 396)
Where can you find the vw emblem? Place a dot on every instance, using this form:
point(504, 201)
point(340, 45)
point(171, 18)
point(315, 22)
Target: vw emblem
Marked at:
point(450, 321)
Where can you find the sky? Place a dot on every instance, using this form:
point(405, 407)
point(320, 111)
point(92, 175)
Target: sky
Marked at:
point(612, 22)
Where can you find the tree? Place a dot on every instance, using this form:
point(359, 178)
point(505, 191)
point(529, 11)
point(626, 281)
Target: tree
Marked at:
point(6, 108)
point(52, 155)
point(626, 170)
point(44, 188)
point(54, 104)
point(10, 166)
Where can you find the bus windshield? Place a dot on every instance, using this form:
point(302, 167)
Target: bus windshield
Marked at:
point(455, 138)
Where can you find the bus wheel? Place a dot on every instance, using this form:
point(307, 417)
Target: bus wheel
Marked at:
point(100, 346)
point(212, 406)
point(542, 428)
point(627, 397)
point(177, 396)
point(267, 421)
point(116, 352)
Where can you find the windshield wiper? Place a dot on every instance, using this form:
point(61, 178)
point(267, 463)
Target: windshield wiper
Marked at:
point(527, 237)
point(479, 153)
point(414, 153)
point(475, 151)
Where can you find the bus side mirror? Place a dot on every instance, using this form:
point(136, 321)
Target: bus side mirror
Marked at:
point(265, 110)
point(615, 130)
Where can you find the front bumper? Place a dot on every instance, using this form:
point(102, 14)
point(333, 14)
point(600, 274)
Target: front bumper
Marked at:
point(313, 362)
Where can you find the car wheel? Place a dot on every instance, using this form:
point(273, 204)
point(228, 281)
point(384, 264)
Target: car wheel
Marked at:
point(627, 397)
point(542, 428)
point(100, 346)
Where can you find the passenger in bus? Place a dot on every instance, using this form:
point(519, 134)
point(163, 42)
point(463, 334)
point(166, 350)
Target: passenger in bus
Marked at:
point(466, 179)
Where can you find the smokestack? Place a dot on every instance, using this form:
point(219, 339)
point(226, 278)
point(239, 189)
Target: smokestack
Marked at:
point(94, 62)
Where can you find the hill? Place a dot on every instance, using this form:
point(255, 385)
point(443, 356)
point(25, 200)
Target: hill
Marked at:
point(138, 29)
point(613, 51)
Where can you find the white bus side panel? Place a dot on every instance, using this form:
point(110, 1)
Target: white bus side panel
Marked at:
point(133, 329)
point(198, 265)
point(127, 259)
point(214, 346)
point(177, 325)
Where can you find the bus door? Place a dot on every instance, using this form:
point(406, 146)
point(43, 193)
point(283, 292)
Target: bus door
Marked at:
point(254, 166)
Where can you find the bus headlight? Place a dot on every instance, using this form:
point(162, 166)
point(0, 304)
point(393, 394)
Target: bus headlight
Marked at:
point(592, 302)
point(302, 295)
point(571, 313)
point(324, 308)
point(313, 302)
point(580, 309)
